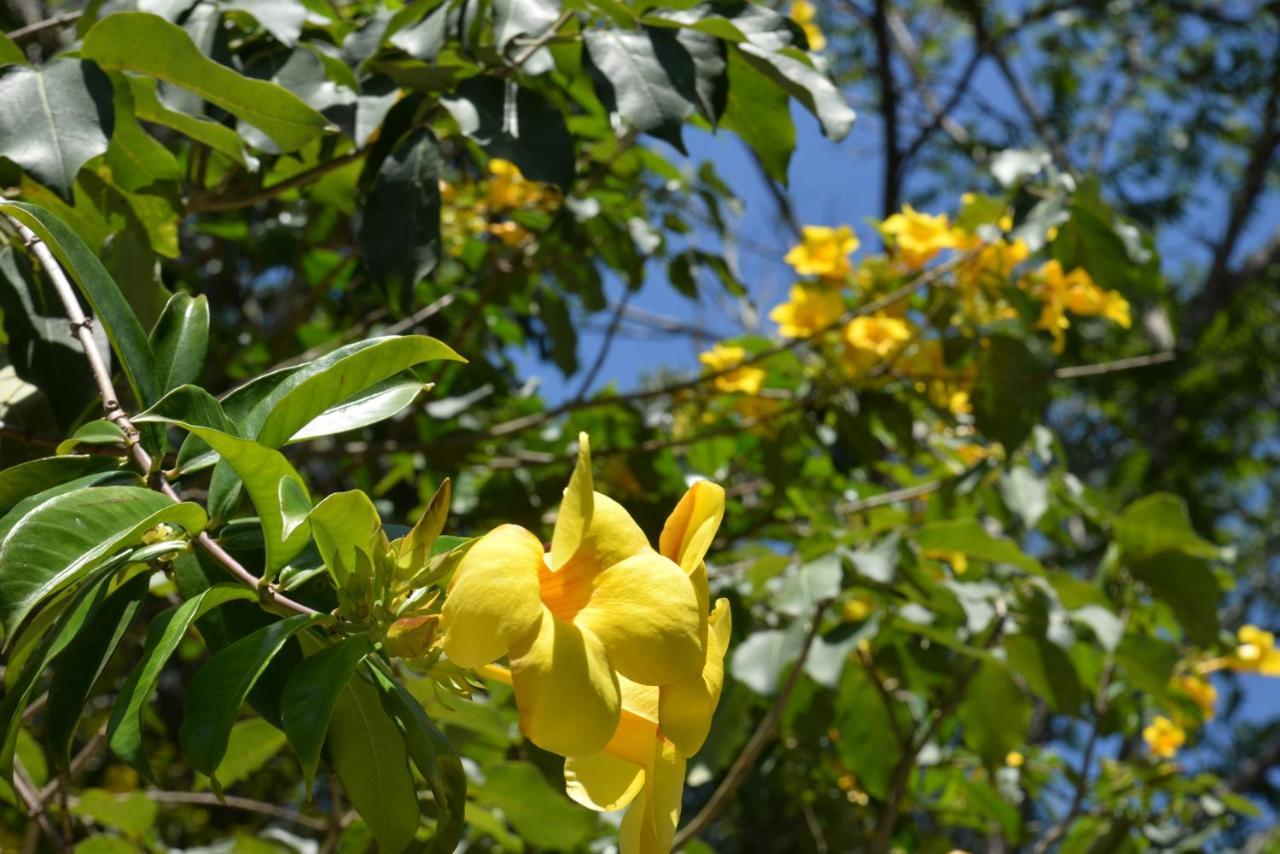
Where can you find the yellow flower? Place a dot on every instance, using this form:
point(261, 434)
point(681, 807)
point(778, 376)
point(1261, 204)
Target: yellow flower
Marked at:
point(1075, 292)
point(988, 270)
point(601, 607)
point(1164, 738)
point(871, 339)
point(508, 187)
point(722, 357)
point(805, 14)
point(1257, 652)
point(1014, 759)
point(824, 251)
point(807, 311)
point(1200, 691)
point(643, 765)
point(959, 560)
point(857, 608)
point(948, 389)
point(918, 237)
point(510, 233)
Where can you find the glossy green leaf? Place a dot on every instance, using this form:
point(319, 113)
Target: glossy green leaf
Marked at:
point(369, 755)
point(63, 539)
point(137, 159)
point(791, 69)
point(31, 478)
point(180, 340)
point(214, 696)
point(760, 113)
point(99, 432)
point(514, 18)
point(400, 234)
point(343, 524)
point(110, 309)
point(165, 631)
point(377, 403)
point(282, 18)
point(222, 139)
point(54, 118)
point(78, 667)
point(116, 42)
point(515, 124)
point(647, 78)
point(310, 694)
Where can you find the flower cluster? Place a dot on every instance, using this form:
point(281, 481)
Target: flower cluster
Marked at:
point(613, 648)
point(474, 209)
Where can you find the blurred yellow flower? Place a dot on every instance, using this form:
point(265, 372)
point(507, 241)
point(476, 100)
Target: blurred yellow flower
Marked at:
point(857, 608)
point(1257, 651)
point(823, 251)
point(947, 388)
point(722, 357)
point(869, 340)
point(1200, 691)
point(602, 606)
point(959, 560)
point(805, 14)
point(1076, 292)
point(1164, 738)
point(917, 237)
point(508, 188)
point(981, 277)
point(1014, 759)
point(511, 234)
point(807, 311)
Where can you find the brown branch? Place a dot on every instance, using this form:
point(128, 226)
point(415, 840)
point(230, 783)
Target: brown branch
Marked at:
point(763, 733)
point(605, 345)
point(895, 496)
point(41, 26)
point(34, 805)
point(1073, 372)
point(208, 799)
point(888, 109)
point(205, 203)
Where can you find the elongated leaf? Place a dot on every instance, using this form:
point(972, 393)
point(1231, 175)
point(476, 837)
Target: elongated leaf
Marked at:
point(215, 695)
point(166, 631)
point(378, 403)
point(137, 160)
point(310, 695)
point(400, 234)
point(54, 118)
point(63, 539)
point(342, 524)
point(99, 432)
point(646, 78)
point(180, 340)
point(368, 753)
point(191, 405)
point(78, 667)
point(253, 743)
point(27, 479)
point(109, 306)
point(220, 138)
point(148, 44)
point(275, 488)
point(515, 124)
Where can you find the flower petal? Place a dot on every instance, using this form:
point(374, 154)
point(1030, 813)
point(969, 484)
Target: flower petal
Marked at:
point(566, 692)
point(645, 611)
point(576, 509)
point(686, 708)
point(650, 824)
point(493, 599)
point(692, 526)
point(602, 782)
point(610, 536)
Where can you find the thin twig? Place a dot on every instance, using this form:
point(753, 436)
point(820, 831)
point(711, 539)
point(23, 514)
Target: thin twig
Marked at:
point(208, 799)
point(1078, 371)
point(763, 733)
point(41, 26)
point(35, 806)
point(206, 203)
point(605, 346)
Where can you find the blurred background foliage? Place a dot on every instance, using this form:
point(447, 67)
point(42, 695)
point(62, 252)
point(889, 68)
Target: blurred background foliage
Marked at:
point(958, 622)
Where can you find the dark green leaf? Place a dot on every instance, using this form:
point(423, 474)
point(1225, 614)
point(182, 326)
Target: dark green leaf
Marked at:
point(516, 124)
point(310, 694)
point(214, 697)
point(400, 235)
point(165, 632)
point(759, 112)
point(792, 70)
point(99, 432)
point(136, 159)
point(995, 713)
point(54, 118)
point(180, 339)
point(1047, 670)
point(1160, 523)
point(1189, 587)
point(117, 42)
point(31, 478)
point(10, 53)
point(1014, 391)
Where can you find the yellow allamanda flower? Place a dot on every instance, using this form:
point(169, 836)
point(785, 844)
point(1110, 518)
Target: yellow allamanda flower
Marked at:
point(917, 237)
point(722, 357)
point(1200, 691)
point(988, 270)
point(1256, 652)
point(1164, 738)
point(805, 14)
point(823, 251)
point(807, 311)
point(1076, 292)
point(508, 188)
point(643, 765)
point(871, 339)
point(602, 606)
point(948, 389)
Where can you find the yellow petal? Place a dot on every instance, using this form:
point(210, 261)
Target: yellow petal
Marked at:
point(574, 516)
point(650, 824)
point(692, 526)
point(566, 693)
point(602, 782)
point(686, 708)
point(645, 611)
point(610, 536)
point(493, 599)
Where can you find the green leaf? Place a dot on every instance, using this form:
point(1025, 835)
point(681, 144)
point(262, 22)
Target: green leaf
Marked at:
point(400, 234)
point(110, 309)
point(512, 18)
point(369, 755)
point(1160, 523)
point(131, 813)
point(66, 537)
point(710, 84)
point(791, 69)
point(165, 632)
point(275, 488)
point(377, 403)
point(150, 45)
point(253, 743)
point(310, 694)
point(995, 713)
point(282, 18)
point(99, 432)
point(180, 340)
point(1189, 587)
point(538, 812)
point(136, 159)
point(1047, 670)
point(969, 537)
point(10, 53)
point(214, 697)
point(759, 112)
point(1014, 392)
point(78, 667)
point(516, 124)
point(31, 478)
point(222, 139)
point(866, 743)
point(646, 78)
point(309, 393)
point(344, 523)
point(810, 584)
point(54, 118)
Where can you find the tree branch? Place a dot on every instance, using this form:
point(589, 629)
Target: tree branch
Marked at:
point(201, 202)
point(208, 799)
point(40, 26)
point(892, 185)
